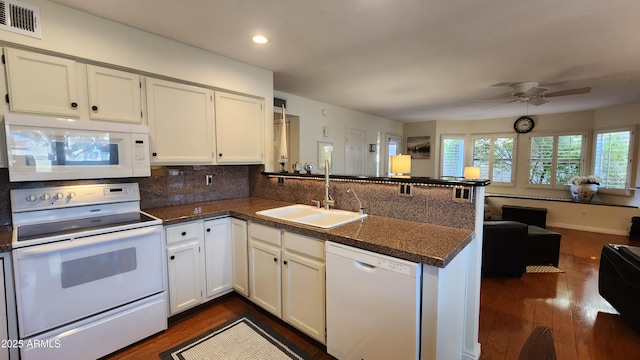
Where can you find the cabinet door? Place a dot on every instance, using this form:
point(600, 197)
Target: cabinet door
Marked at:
point(218, 256)
point(303, 289)
point(180, 123)
point(240, 256)
point(185, 275)
point(41, 83)
point(114, 95)
point(264, 276)
point(239, 129)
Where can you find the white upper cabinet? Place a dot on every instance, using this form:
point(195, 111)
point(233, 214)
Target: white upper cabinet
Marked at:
point(114, 95)
point(180, 123)
point(239, 129)
point(40, 83)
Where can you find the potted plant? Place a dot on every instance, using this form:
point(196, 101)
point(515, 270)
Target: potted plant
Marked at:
point(583, 188)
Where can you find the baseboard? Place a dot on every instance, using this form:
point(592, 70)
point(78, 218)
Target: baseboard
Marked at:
point(475, 355)
point(589, 228)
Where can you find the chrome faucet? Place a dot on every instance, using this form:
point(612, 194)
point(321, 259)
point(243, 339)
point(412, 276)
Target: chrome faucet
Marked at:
point(328, 201)
point(359, 203)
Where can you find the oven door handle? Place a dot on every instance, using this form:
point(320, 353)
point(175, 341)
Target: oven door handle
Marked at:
point(89, 240)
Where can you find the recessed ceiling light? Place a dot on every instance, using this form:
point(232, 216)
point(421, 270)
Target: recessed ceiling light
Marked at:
point(259, 39)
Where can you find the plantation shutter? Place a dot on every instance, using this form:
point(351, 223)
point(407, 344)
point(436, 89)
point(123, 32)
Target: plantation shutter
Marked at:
point(611, 161)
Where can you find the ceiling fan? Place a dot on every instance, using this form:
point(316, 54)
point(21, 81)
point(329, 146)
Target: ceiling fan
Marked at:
point(529, 92)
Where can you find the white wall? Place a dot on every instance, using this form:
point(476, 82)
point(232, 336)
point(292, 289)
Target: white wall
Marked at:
point(598, 218)
point(337, 120)
point(86, 36)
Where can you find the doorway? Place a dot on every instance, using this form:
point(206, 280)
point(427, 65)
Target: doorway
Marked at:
point(293, 140)
point(354, 152)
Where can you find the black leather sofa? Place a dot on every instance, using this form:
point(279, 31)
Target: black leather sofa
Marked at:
point(619, 280)
point(504, 248)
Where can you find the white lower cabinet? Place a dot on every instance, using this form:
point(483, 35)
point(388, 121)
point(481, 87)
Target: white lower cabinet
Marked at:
point(303, 284)
point(185, 262)
point(240, 272)
point(218, 257)
point(199, 262)
point(287, 277)
point(264, 267)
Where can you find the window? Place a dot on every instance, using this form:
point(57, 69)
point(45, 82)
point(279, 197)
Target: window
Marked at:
point(555, 158)
point(612, 158)
point(452, 150)
point(495, 156)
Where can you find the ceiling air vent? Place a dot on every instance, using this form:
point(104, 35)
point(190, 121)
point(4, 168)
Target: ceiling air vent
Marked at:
point(20, 18)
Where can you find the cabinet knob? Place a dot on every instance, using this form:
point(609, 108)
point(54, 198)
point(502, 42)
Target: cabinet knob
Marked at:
point(94, 108)
point(184, 233)
point(154, 154)
point(74, 105)
point(220, 154)
point(208, 229)
point(285, 262)
point(275, 259)
point(172, 257)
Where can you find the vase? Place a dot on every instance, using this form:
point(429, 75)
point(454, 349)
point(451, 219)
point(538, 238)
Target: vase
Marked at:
point(583, 192)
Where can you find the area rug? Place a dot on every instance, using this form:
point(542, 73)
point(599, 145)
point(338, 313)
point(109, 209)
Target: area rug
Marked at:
point(243, 338)
point(539, 269)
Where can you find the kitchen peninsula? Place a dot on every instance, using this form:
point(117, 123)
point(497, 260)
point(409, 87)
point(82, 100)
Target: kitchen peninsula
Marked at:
point(428, 228)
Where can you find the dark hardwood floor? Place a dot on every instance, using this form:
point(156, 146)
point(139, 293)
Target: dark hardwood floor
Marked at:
point(212, 315)
point(584, 325)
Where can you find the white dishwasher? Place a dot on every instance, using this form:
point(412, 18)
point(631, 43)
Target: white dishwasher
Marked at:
point(373, 305)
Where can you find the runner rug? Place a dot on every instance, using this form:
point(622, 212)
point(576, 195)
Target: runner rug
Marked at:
point(534, 269)
point(243, 338)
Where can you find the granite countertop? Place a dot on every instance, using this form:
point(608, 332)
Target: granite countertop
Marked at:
point(424, 243)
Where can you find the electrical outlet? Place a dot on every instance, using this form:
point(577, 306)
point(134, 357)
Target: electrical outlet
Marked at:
point(208, 180)
point(462, 194)
point(405, 190)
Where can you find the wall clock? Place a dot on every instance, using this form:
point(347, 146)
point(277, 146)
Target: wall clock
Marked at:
point(523, 124)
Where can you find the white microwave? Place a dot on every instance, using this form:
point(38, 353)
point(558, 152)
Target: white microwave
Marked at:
point(43, 148)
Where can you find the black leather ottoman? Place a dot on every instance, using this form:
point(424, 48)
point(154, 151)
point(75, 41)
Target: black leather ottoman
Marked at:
point(543, 246)
point(524, 214)
point(619, 280)
point(504, 246)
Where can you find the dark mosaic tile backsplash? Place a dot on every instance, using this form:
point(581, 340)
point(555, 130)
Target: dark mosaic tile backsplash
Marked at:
point(177, 185)
point(167, 185)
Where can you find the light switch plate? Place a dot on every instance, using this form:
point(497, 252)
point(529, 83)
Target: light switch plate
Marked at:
point(405, 190)
point(462, 194)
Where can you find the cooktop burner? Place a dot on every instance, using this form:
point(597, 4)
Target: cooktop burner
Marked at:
point(68, 227)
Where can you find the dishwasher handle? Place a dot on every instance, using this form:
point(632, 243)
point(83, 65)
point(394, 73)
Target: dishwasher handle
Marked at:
point(364, 266)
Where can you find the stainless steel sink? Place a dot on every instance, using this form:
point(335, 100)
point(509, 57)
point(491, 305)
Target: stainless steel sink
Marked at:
point(313, 216)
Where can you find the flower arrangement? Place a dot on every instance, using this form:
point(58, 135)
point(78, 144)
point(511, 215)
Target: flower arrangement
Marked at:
point(579, 180)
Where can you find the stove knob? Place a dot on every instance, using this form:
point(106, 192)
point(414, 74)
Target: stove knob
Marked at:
point(58, 196)
point(71, 195)
point(31, 198)
point(45, 197)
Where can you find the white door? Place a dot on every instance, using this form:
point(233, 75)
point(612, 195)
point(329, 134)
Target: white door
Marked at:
point(41, 83)
point(240, 256)
point(303, 288)
point(185, 274)
point(114, 95)
point(265, 276)
point(218, 256)
point(354, 152)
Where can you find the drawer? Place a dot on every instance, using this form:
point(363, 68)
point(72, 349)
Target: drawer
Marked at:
point(304, 245)
point(265, 233)
point(184, 232)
